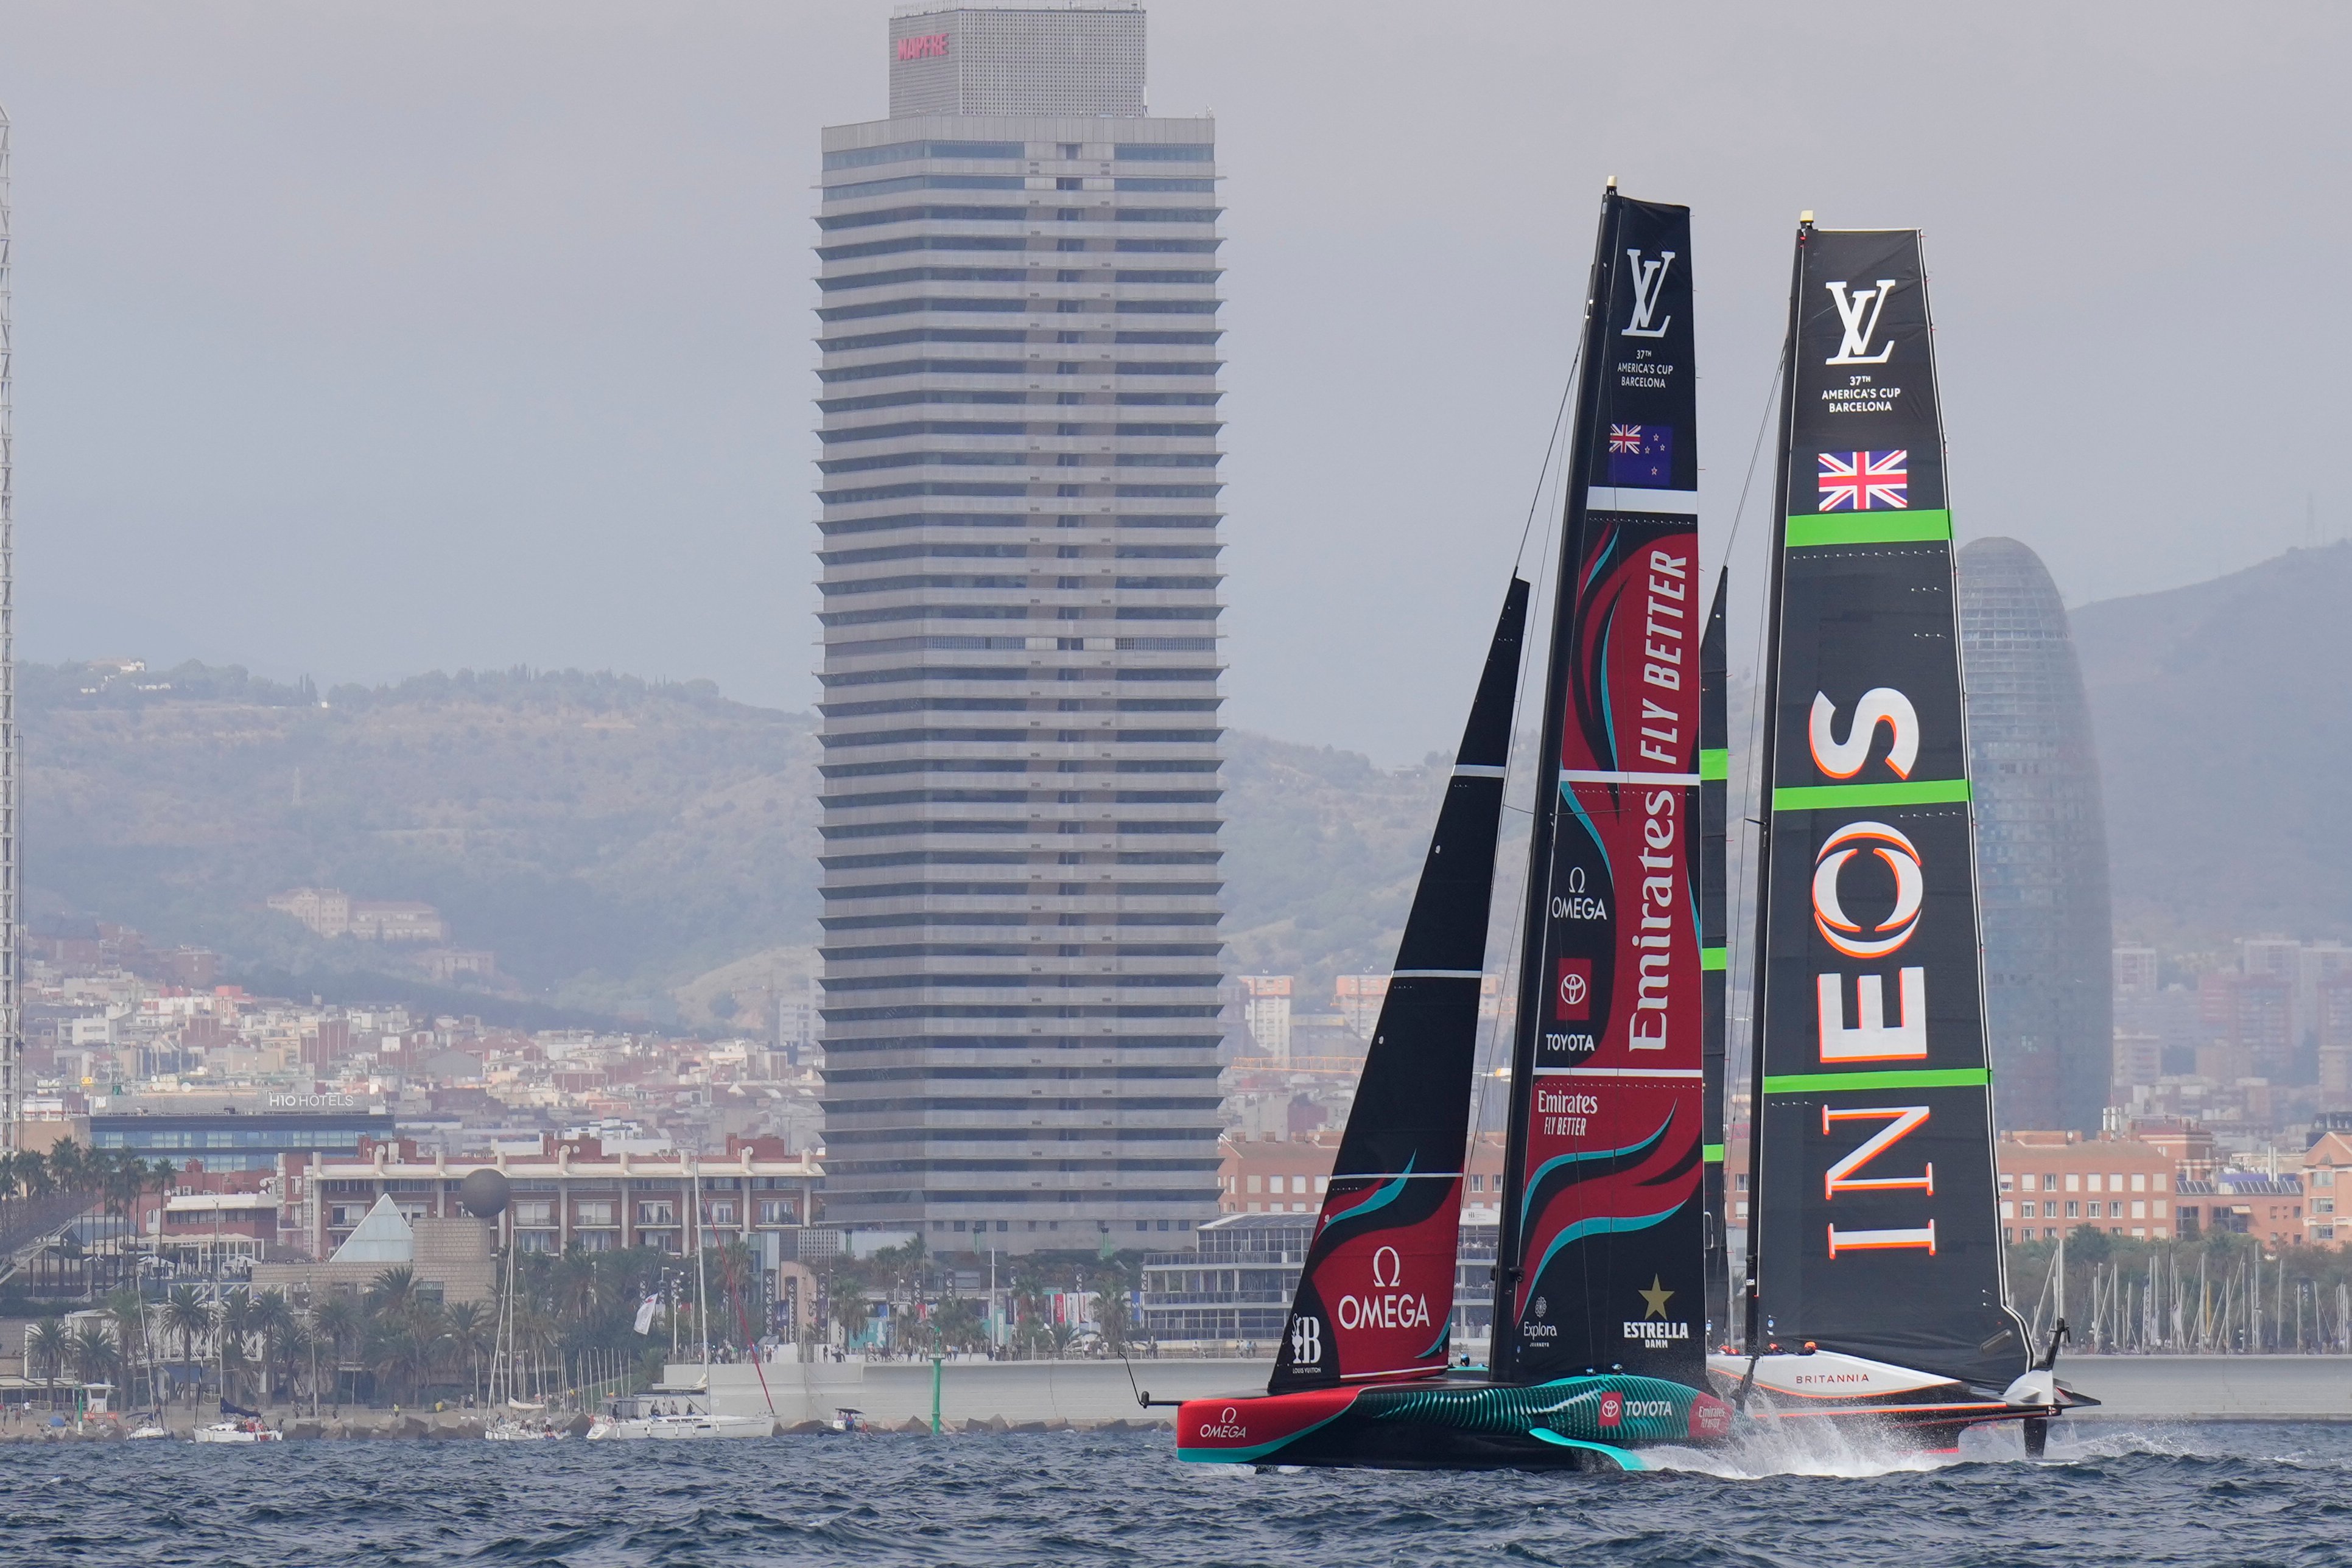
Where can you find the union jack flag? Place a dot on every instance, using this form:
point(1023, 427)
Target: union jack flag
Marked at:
point(1626, 438)
point(1864, 481)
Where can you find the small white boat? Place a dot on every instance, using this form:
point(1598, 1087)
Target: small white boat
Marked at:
point(149, 1434)
point(671, 1416)
point(239, 1430)
point(507, 1430)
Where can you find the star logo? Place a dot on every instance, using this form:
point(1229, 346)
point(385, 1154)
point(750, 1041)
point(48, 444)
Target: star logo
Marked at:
point(1656, 1296)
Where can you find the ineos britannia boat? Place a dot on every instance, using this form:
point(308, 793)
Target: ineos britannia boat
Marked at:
point(1876, 1291)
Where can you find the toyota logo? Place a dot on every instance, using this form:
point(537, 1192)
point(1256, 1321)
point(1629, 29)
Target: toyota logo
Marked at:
point(1902, 858)
point(1572, 989)
point(1394, 1272)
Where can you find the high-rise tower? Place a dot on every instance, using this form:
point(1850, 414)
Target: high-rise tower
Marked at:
point(2042, 844)
point(12, 1033)
point(1018, 324)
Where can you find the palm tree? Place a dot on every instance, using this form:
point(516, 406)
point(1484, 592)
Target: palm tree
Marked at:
point(574, 1285)
point(1112, 1282)
point(393, 1291)
point(48, 1345)
point(336, 1321)
point(273, 1320)
point(470, 1328)
point(95, 1354)
point(186, 1315)
point(130, 1315)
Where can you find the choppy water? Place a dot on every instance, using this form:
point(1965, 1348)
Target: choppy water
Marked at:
point(2276, 1496)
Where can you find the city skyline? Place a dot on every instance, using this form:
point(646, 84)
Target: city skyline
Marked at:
point(469, 353)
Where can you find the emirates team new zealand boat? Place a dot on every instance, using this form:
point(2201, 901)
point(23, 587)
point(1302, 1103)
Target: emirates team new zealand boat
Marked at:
point(1875, 1288)
point(1613, 1144)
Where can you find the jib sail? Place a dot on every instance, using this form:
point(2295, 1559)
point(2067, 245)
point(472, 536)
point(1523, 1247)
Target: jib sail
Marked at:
point(1377, 1293)
point(1603, 1218)
point(1874, 1230)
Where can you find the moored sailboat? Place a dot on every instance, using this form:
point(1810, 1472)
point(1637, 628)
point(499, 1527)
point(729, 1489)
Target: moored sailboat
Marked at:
point(1600, 1327)
point(1876, 1291)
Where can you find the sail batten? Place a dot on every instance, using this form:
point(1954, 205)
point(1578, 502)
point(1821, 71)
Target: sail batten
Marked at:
point(1874, 1230)
point(1376, 1296)
point(1603, 1213)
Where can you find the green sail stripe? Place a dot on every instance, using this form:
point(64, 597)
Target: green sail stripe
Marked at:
point(1714, 762)
point(1711, 1153)
point(1898, 1078)
point(1838, 797)
point(1711, 958)
point(1928, 525)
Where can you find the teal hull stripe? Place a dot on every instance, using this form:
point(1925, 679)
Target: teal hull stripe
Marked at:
point(1626, 1460)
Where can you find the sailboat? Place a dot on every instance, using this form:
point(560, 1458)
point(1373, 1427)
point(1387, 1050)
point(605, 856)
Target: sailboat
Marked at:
point(683, 1414)
point(1875, 1288)
point(1599, 1326)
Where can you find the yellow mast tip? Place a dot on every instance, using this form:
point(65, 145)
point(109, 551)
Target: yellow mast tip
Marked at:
point(1612, 181)
point(1806, 216)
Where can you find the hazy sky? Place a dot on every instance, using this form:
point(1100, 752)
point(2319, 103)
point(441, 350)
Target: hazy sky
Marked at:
point(361, 339)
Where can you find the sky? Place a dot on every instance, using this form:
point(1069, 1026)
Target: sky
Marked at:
point(359, 339)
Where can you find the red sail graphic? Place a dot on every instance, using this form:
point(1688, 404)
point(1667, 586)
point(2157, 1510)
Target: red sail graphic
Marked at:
point(1604, 1222)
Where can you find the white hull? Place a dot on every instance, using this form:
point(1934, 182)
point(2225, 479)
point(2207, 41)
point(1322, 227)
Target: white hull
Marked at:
point(680, 1428)
point(503, 1432)
point(226, 1433)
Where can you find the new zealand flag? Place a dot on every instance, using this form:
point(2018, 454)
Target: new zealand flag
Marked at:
point(1642, 456)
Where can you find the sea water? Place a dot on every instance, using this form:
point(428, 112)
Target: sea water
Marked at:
point(2272, 1495)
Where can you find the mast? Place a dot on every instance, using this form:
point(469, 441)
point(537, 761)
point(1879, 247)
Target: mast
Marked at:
point(1759, 938)
point(1714, 930)
point(1375, 1300)
point(701, 1291)
point(1601, 1264)
point(1873, 1222)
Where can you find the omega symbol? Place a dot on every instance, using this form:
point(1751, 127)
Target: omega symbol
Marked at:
point(1386, 1278)
point(1902, 858)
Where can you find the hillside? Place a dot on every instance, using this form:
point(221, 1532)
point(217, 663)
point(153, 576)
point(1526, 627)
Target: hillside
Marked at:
point(607, 837)
point(2225, 741)
point(611, 839)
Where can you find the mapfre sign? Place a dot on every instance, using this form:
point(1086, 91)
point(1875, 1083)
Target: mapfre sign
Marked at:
point(924, 46)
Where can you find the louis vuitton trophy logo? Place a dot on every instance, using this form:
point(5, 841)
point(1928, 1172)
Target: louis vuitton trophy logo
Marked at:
point(1858, 315)
point(1649, 280)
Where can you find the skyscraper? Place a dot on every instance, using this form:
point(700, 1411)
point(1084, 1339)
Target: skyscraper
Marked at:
point(12, 1032)
point(1018, 324)
point(2042, 844)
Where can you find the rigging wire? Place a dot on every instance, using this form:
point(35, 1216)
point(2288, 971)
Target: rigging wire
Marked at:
point(1745, 839)
point(1559, 420)
point(1539, 613)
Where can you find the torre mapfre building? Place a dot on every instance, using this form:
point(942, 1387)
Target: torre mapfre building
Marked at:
point(2041, 845)
point(1018, 325)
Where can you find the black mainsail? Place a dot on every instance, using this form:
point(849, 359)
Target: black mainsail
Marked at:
point(1377, 1293)
point(1603, 1222)
point(1874, 1229)
point(1714, 916)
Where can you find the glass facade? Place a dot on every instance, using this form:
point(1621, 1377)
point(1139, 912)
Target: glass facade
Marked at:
point(2042, 844)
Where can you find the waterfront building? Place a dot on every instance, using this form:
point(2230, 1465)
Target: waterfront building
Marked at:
point(2052, 1183)
point(238, 1131)
point(2326, 1180)
point(2041, 846)
point(1290, 1174)
point(1236, 1289)
point(1019, 341)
